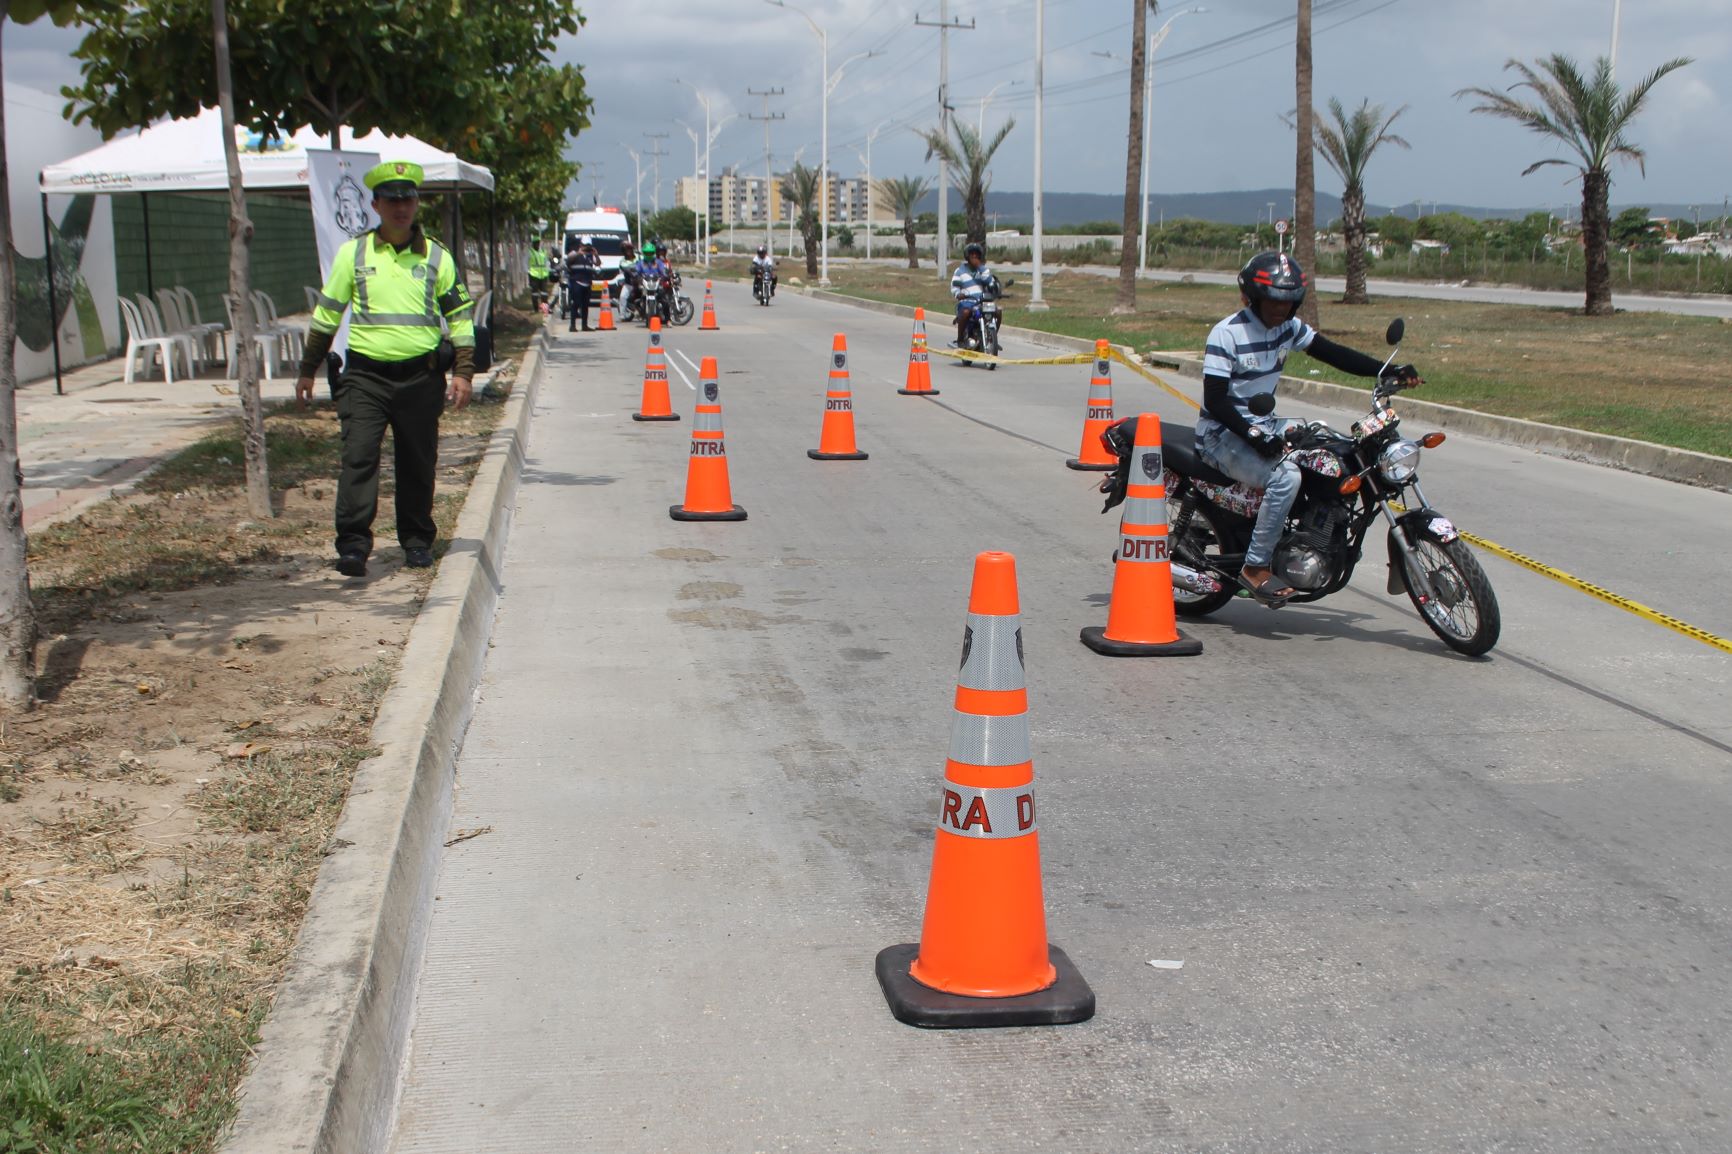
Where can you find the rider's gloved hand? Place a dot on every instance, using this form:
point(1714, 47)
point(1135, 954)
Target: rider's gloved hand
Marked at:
point(1265, 442)
point(1407, 376)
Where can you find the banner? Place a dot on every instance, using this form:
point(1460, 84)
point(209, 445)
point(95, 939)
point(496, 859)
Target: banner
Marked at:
point(342, 209)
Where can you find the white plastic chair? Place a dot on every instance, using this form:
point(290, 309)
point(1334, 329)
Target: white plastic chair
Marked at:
point(312, 297)
point(140, 341)
point(269, 344)
point(174, 324)
point(182, 340)
point(293, 335)
point(482, 313)
point(208, 334)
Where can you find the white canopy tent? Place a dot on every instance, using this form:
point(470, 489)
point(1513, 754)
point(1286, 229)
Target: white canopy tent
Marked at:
point(187, 156)
point(179, 156)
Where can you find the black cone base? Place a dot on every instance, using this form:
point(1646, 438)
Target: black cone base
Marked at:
point(681, 513)
point(1089, 467)
point(918, 392)
point(1095, 637)
point(661, 417)
point(1067, 1000)
point(817, 456)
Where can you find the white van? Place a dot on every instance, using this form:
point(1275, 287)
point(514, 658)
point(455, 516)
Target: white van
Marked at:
point(606, 228)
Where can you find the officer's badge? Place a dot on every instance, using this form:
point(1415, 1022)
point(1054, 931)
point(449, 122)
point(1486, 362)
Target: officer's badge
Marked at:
point(967, 644)
point(1152, 466)
point(711, 392)
point(841, 360)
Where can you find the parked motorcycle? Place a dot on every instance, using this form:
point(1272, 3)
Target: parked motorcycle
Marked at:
point(1349, 480)
point(980, 324)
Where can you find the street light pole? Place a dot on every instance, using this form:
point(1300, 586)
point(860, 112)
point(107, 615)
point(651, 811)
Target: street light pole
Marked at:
point(1037, 303)
point(870, 137)
point(1155, 42)
point(980, 120)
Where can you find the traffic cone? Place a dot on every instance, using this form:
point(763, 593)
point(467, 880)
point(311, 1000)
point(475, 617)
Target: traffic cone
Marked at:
point(708, 497)
point(836, 439)
point(708, 321)
point(1093, 454)
point(655, 405)
point(983, 958)
point(1140, 621)
point(605, 324)
point(919, 369)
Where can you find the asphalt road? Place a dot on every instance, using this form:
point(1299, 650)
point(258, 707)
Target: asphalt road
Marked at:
point(1423, 903)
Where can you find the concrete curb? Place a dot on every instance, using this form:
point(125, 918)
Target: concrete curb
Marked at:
point(324, 1077)
point(1669, 464)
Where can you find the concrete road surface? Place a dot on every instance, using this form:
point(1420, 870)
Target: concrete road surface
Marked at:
point(1423, 903)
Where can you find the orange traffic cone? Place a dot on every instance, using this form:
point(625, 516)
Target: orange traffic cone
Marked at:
point(836, 439)
point(919, 369)
point(708, 320)
point(655, 405)
point(605, 324)
point(1094, 454)
point(1140, 621)
point(983, 958)
point(708, 497)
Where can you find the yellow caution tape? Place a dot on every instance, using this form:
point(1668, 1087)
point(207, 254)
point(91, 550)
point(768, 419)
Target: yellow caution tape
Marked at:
point(988, 358)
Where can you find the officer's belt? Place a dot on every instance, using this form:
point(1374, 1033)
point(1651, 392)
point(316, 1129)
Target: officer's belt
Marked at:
point(426, 364)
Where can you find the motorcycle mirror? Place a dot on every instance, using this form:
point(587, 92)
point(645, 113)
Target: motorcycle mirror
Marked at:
point(1008, 282)
point(1396, 328)
point(1262, 404)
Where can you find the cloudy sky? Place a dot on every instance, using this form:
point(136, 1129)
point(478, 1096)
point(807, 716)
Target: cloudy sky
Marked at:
point(1222, 78)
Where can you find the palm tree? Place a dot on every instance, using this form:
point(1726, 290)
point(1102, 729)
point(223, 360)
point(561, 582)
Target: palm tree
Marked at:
point(904, 194)
point(1304, 169)
point(800, 187)
point(970, 158)
point(1126, 299)
point(1589, 115)
point(1347, 146)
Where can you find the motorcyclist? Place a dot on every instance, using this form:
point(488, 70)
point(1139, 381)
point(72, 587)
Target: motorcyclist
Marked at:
point(650, 264)
point(1243, 359)
point(764, 267)
point(968, 286)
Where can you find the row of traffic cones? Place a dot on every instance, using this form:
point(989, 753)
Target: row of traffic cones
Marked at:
point(605, 322)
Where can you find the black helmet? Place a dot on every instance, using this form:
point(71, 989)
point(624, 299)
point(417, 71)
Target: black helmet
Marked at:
point(1273, 276)
point(762, 250)
point(974, 250)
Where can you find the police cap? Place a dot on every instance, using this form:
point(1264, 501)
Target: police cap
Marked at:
point(394, 179)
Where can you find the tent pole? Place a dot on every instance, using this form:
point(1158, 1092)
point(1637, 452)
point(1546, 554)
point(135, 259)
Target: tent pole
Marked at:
point(492, 239)
point(149, 273)
point(53, 329)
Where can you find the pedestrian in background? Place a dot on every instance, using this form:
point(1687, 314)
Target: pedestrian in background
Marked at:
point(582, 265)
point(537, 275)
point(401, 285)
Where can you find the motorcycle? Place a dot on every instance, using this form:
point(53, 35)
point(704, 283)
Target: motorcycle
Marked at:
point(763, 288)
point(679, 305)
point(1348, 481)
point(980, 324)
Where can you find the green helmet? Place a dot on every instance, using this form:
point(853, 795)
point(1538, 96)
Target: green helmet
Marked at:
point(649, 249)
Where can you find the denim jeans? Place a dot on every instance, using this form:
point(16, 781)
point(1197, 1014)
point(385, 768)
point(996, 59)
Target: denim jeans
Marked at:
point(1279, 480)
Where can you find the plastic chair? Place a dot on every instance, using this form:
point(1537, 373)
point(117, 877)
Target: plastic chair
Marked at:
point(174, 324)
point(312, 297)
point(182, 340)
point(293, 336)
point(482, 313)
point(141, 342)
point(269, 344)
point(207, 333)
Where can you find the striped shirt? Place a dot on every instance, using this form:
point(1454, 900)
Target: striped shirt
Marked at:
point(1250, 356)
point(969, 282)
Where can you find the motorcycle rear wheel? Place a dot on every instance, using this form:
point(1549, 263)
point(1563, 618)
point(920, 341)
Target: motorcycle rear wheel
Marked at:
point(1201, 541)
point(1465, 614)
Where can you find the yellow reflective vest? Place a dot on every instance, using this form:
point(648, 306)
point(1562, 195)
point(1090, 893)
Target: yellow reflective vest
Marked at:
point(399, 297)
point(538, 263)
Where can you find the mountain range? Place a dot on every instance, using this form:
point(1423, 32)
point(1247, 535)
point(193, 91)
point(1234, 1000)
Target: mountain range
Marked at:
point(1244, 207)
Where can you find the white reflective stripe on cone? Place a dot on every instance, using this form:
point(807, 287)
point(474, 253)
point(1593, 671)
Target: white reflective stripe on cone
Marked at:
point(977, 739)
point(992, 653)
point(706, 422)
point(987, 813)
point(1144, 511)
point(1138, 548)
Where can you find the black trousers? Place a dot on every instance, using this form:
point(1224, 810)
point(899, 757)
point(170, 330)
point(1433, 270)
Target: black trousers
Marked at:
point(367, 405)
point(577, 288)
point(537, 290)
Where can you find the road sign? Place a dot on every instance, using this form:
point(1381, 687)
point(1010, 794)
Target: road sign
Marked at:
point(1280, 228)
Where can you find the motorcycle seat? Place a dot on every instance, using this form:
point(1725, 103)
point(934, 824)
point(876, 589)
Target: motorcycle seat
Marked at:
point(1179, 453)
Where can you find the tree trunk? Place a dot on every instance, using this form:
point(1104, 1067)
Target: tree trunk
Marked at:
point(975, 205)
point(1304, 172)
point(809, 240)
point(1126, 300)
point(17, 621)
point(907, 235)
point(1353, 229)
point(1596, 229)
point(240, 281)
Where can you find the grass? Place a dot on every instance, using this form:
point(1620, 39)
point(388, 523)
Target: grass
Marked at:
point(1648, 376)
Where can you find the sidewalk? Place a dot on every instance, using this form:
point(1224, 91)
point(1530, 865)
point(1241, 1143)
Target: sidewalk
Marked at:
point(78, 448)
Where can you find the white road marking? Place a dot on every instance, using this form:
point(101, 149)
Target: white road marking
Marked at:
point(682, 372)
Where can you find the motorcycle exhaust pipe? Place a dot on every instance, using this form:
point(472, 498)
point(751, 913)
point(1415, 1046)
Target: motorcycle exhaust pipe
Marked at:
point(1194, 581)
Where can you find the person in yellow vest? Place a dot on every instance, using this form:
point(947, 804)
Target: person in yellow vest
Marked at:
point(537, 274)
point(401, 285)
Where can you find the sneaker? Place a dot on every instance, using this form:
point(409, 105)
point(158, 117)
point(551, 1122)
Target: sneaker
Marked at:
point(352, 564)
point(418, 558)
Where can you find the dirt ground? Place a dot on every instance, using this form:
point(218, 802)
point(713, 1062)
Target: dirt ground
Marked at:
point(208, 683)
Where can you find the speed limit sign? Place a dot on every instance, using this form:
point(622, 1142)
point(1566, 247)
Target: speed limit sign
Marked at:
point(1280, 228)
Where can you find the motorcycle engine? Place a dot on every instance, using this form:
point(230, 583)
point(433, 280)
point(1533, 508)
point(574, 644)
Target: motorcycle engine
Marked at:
point(1308, 555)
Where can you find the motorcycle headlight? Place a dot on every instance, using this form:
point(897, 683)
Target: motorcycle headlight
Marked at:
point(1399, 462)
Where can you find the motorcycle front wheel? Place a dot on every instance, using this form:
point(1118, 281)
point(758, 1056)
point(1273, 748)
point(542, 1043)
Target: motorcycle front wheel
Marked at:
point(1464, 614)
point(683, 310)
point(993, 348)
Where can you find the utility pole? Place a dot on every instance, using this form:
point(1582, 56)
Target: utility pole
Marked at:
point(870, 191)
point(944, 24)
point(1036, 302)
point(769, 173)
point(658, 152)
point(1617, 13)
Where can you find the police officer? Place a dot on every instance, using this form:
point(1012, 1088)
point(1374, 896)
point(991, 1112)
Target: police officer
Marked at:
point(582, 266)
point(400, 284)
point(537, 274)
